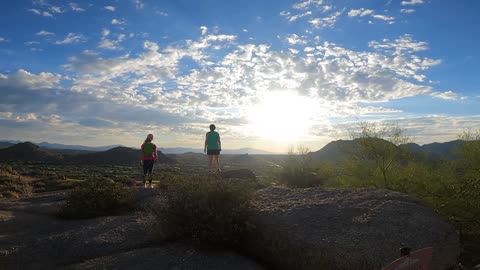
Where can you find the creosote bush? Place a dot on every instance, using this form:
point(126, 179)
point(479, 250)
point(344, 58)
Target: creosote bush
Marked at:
point(97, 198)
point(205, 210)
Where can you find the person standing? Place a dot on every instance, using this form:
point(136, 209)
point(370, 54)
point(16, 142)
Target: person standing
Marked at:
point(148, 156)
point(213, 146)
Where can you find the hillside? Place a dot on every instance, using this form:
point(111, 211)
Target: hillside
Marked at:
point(344, 149)
point(28, 152)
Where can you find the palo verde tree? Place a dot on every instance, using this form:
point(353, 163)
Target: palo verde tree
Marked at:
point(379, 144)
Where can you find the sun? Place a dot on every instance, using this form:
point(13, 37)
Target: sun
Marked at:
point(282, 116)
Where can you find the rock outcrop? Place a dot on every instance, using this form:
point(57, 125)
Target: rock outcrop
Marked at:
point(360, 229)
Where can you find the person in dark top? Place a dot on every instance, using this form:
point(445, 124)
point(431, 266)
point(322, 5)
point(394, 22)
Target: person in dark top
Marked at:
point(213, 146)
point(148, 156)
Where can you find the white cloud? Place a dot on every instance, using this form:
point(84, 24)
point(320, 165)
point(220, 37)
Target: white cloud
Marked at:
point(110, 8)
point(118, 22)
point(383, 17)
point(448, 95)
point(3, 40)
point(138, 4)
point(71, 38)
point(23, 78)
point(327, 21)
point(44, 33)
point(30, 43)
point(105, 32)
point(39, 12)
point(204, 30)
point(306, 4)
point(111, 44)
point(412, 2)
point(407, 11)
point(295, 39)
point(56, 9)
point(75, 7)
point(360, 12)
point(161, 13)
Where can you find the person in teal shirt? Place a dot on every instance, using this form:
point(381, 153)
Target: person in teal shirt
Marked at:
point(213, 146)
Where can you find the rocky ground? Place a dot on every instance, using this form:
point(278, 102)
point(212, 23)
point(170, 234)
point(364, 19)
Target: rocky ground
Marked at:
point(310, 228)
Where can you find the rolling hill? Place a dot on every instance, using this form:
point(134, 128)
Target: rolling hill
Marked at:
point(28, 151)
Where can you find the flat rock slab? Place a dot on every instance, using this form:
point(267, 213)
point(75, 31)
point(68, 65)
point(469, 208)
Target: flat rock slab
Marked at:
point(359, 229)
point(175, 256)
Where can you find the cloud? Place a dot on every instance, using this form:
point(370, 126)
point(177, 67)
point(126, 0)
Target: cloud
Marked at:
point(138, 4)
point(360, 12)
point(71, 38)
point(383, 17)
point(407, 11)
point(118, 22)
point(448, 95)
point(76, 8)
point(109, 8)
point(111, 44)
point(25, 79)
point(30, 43)
point(42, 13)
point(44, 33)
point(3, 40)
point(307, 4)
point(295, 39)
point(161, 13)
point(56, 9)
point(204, 29)
point(412, 2)
point(326, 21)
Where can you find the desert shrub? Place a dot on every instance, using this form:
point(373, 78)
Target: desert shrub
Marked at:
point(203, 209)
point(97, 198)
point(298, 170)
point(10, 194)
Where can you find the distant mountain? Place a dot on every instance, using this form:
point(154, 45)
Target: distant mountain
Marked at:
point(28, 151)
point(76, 147)
point(336, 151)
point(118, 155)
point(5, 144)
point(343, 149)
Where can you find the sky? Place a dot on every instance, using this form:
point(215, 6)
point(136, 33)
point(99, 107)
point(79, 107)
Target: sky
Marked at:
point(269, 74)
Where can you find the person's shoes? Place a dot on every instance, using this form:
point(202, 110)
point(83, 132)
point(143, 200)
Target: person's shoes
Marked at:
point(145, 185)
point(150, 185)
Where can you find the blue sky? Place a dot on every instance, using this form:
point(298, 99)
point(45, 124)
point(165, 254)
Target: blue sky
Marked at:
point(270, 74)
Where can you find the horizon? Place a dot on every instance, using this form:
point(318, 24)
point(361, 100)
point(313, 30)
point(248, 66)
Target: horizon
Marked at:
point(197, 150)
point(270, 75)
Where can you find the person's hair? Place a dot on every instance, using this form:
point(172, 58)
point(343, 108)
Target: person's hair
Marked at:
point(212, 127)
point(147, 140)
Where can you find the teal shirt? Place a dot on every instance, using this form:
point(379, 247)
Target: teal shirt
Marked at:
point(212, 140)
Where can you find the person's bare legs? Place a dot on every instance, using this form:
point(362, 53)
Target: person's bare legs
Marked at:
point(217, 163)
point(210, 157)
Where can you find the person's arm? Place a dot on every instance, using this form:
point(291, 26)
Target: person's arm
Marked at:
point(219, 142)
point(206, 142)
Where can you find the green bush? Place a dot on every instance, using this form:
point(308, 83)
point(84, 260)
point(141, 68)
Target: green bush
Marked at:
point(97, 198)
point(204, 209)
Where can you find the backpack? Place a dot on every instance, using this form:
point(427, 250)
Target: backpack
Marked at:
point(148, 149)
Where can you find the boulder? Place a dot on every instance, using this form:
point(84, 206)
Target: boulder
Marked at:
point(359, 229)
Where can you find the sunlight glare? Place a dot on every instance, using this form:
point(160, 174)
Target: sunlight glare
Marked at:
point(282, 116)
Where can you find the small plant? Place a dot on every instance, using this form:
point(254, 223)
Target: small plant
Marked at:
point(97, 198)
point(205, 210)
point(298, 170)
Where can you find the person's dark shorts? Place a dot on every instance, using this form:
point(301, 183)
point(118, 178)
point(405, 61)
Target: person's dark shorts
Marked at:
point(148, 166)
point(214, 152)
